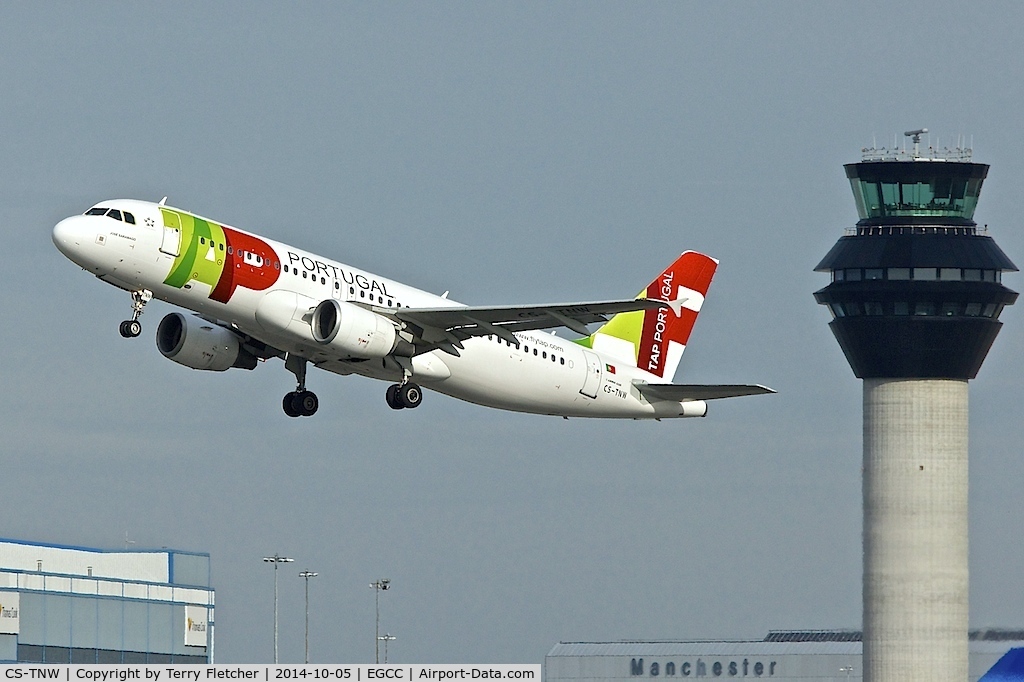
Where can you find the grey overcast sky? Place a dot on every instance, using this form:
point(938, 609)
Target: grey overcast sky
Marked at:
point(511, 152)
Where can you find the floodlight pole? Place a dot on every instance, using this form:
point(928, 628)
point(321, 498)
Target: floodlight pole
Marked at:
point(307, 575)
point(377, 586)
point(276, 559)
point(387, 637)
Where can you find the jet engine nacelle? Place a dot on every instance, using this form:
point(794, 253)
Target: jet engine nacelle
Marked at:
point(353, 331)
point(198, 344)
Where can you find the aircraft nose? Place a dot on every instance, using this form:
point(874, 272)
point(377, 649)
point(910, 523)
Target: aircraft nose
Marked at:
point(68, 234)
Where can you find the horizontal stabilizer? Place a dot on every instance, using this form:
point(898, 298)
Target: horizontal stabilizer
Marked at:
point(685, 392)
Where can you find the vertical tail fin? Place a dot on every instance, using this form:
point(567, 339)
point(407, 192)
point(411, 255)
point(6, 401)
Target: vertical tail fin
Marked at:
point(654, 340)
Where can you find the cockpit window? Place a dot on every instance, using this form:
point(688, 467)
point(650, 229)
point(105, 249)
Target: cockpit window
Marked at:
point(112, 213)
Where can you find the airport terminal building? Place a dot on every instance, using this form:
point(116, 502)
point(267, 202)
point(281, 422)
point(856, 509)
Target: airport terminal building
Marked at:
point(807, 656)
point(62, 604)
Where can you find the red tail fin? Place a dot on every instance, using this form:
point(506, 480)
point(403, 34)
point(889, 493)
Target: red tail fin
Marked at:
point(665, 334)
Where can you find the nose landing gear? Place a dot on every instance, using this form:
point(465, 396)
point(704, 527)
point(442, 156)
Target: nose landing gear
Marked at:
point(129, 329)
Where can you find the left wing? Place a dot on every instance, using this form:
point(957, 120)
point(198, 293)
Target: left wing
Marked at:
point(447, 328)
point(685, 392)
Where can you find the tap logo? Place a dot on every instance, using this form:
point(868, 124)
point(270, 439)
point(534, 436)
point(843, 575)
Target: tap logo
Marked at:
point(218, 256)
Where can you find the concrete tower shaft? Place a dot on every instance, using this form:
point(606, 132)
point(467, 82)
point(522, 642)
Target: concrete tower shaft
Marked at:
point(915, 529)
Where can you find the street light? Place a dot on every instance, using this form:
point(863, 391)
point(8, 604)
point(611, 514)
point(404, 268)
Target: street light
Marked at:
point(307, 575)
point(276, 559)
point(382, 584)
point(386, 638)
point(846, 669)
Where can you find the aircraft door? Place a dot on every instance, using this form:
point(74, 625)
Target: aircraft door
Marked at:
point(171, 244)
point(593, 380)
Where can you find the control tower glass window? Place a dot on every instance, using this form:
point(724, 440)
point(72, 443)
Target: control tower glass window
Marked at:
point(922, 189)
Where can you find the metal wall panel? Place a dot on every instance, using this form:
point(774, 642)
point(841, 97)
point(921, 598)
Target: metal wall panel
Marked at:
point(161, 627)
point(190, 569)
point(110, 618)
point(83, 622)
point(8, 648)
point(149, 566)
point(136, 626)
point(31, 617)
point(57, 620)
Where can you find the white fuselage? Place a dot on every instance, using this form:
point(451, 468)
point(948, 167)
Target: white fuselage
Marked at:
point(545, 374)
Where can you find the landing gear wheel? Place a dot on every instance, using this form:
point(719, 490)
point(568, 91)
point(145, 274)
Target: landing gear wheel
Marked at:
point(392, 397)
point(130, 328)
point(305, 403)
point(410, 395)
point(288, 404)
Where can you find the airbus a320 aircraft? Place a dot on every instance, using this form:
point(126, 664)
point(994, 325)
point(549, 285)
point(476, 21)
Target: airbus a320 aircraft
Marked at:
point(256, 299)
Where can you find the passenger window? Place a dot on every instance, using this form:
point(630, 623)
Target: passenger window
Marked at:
point(552, 357)
point(389, 304)
point(114, 213)
point(545, 355)
point(277, 266)
point(362, 294)
point(220, 246)
point(561, 361)
point(534, 351)
point(231, 249)
point(202, 240)
point(129, 218)
point(337, 285)
point(526, 349)
point(304, 275)
point(323, 280)
point(286, 268)
point(351, 290)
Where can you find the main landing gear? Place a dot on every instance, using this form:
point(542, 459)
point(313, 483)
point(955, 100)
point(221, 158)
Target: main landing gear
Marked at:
point(131, 328)
point(400, 396)
point(300, 402)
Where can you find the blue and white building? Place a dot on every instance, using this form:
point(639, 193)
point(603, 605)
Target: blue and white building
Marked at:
point(61, 604)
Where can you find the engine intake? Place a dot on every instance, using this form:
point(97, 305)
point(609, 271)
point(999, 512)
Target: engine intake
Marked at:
point(352, 331)
point(196, 343)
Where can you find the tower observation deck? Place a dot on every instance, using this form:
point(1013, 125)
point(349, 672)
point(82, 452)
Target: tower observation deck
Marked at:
point(916, 287)
point(915, 297)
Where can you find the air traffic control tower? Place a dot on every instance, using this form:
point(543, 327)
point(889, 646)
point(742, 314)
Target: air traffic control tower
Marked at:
point(915, 297)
